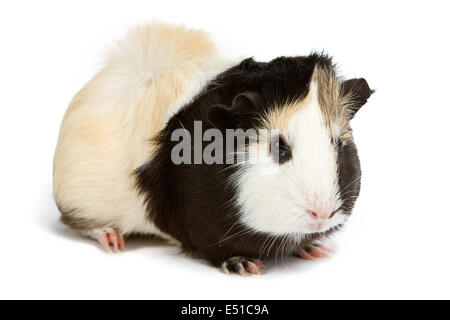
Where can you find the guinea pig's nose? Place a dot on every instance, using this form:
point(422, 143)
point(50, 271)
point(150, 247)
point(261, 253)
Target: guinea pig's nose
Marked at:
point(318, 214)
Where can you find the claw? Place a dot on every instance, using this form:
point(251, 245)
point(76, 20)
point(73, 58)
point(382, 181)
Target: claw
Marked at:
point(322, 247)
point(314, 251)
point(109, 238)
point(305, 255)
point(252, 268)
point(241, 270)
point(113, 239)
point(242, 266)
point(259, 264)
point(104, 241)
point(318, 253)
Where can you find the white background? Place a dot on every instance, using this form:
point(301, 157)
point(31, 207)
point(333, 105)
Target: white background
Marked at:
point(397, 243)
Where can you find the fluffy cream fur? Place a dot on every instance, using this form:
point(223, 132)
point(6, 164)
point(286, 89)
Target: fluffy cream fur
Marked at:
point(105, 133)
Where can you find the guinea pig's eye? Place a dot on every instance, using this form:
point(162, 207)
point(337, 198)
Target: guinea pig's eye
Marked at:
point(280, 149)
point(339, 144)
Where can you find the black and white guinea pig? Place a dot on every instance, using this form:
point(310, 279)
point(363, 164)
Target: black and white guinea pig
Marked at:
point(115, 174)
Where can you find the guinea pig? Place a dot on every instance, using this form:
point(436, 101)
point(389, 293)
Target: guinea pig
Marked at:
point(130, 157)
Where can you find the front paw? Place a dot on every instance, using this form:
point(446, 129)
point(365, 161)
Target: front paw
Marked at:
point(314, 251)
point(243, 265)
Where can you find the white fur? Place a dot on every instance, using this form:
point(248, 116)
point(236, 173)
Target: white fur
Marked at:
point(275, 201)
point(106, 131)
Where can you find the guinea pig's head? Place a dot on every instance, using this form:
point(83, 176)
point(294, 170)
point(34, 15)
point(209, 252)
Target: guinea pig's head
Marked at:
point(306, 177)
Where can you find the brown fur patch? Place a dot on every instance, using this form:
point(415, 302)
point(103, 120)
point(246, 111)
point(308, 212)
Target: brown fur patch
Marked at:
point(278, 118)
point(334, 104)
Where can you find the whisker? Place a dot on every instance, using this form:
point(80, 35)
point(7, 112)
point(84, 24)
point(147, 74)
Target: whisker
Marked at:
point(226, 233)
point(351, 183)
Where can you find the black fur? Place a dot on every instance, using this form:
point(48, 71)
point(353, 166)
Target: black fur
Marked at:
point(349, 176)
point(193, 203)
point(360, 91)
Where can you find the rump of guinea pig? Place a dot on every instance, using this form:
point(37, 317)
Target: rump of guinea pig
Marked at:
point(234, 161)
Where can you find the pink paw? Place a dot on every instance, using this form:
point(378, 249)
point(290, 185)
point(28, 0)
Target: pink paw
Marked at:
point(109, 238)
point(314, 251)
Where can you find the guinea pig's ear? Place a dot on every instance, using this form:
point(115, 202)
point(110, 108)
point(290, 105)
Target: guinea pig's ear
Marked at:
point(246, 103)
point(360, 92)
point(221, 117)
point(243, 105)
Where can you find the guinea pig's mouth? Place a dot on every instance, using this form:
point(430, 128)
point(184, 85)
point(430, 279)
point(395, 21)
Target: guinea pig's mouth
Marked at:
point(323, 225)
point(318, 227)
point(311, 223)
